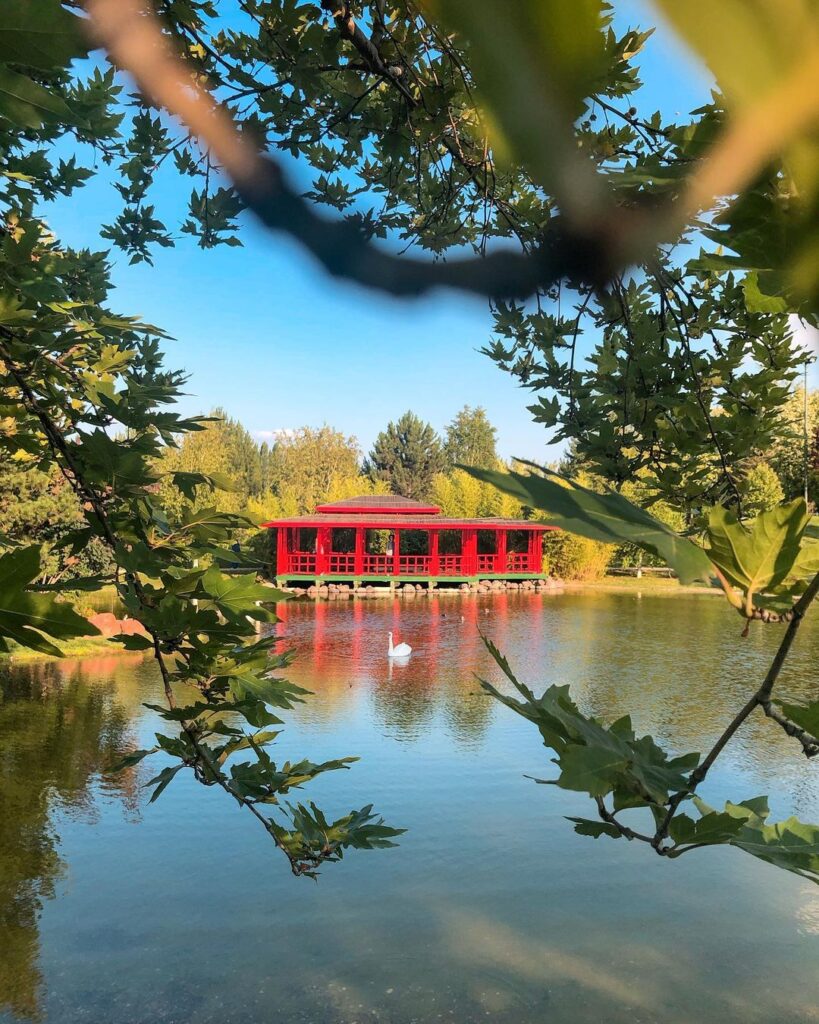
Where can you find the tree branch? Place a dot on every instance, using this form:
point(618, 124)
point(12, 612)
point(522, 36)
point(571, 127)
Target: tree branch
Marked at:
point(758, 699)
point(206, 770)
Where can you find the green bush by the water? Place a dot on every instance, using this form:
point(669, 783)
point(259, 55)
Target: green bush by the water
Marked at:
point(570, 557)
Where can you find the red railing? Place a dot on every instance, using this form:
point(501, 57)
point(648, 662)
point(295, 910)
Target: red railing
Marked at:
point(410, 564)
point(450, 565)
point(341, 562)
point(517, 561)
point(378, 564)
point(486, 563)
point(298, 561)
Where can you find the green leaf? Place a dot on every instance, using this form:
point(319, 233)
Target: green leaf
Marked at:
point(807, 563)
point(188, 482)
point(239, 595)
point(806, 716)
point(534, 67)
point(791, 844)
point(595, 829)
point(26, 615)
point(12, 310)
point(133, 641)
point(759, 554)
point(163, 780)
point(592, 770)
point(132, 759)
point(608, 517)
point(592, 758)
point(40, 33)
point(712, 828)
point(749, 47)
point(29, 105)
point(278, 693)
point(757, 301)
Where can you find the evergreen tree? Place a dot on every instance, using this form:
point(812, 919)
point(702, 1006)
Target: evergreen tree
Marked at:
point(471, 439)
point(407, 455)
point(39, 507)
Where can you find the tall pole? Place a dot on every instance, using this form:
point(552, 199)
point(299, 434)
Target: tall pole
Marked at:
point(805, 424)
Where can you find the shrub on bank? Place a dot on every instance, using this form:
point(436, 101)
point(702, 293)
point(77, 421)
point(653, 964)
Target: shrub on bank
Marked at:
point(570, 557)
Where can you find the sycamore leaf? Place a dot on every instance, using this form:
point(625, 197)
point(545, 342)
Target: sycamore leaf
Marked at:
point(608, 517)
point(595, 829)
point(806, 716)
point(751, 48)
point(759, 554)
point(29, 105)
point(163, 780)
point(25, 615)
point(40, 34)
point(132, 759)
point(239, 595)
point(592, 770)
point(807, 564)
point(713, 827)
point(133, 641)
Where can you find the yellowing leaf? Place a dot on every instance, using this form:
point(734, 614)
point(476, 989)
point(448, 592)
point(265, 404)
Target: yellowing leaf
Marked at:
point(760, 554)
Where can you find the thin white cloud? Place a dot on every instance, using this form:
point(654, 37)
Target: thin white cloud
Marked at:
point(279, 434)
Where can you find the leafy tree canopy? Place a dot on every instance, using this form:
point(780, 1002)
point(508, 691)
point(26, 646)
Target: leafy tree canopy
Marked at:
point(470, 439)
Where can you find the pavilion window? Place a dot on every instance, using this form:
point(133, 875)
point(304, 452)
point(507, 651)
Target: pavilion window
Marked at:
point(306, 540)
point(415, 552)
point(343, 540)
point(341, 556)
point(517, 551)
point(375, 560)
point(450, 552)
point(450, 542)
point(488, 549)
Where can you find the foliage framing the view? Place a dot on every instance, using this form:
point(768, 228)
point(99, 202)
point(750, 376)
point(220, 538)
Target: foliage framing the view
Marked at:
point(460, 148)
point(85, 394)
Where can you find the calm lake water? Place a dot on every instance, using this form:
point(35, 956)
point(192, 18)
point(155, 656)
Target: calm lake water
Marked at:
point(117, 912)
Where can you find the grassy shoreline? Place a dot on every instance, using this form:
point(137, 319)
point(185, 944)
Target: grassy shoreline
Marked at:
point(644, 585)
point(85, 647)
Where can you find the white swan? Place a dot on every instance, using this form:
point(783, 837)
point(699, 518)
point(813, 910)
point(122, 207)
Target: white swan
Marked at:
point(401, 651)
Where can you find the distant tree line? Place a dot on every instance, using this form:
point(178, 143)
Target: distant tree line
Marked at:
point(307, 466)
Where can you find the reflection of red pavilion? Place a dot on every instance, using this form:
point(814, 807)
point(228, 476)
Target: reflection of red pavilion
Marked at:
point(384, 538)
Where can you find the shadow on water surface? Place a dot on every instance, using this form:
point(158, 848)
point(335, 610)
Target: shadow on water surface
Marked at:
point(491, 908)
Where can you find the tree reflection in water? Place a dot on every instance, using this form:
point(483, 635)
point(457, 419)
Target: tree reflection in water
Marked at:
point(59, 729)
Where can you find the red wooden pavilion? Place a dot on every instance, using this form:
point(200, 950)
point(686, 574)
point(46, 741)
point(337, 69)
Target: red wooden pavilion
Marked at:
point(389, 539)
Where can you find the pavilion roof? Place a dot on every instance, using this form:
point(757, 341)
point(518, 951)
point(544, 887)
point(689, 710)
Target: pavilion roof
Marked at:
point(387, 504)
point(378, 520)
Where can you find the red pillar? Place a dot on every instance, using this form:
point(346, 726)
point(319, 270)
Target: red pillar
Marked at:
point(469, 549)
point(396, 552)
point(538, 552)
point(281, 550)
point(500, 548)
point(434, 554)
point(322, 549)
point(359, 550)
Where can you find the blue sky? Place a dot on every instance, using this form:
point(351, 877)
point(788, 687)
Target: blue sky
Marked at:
point(266, 335)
